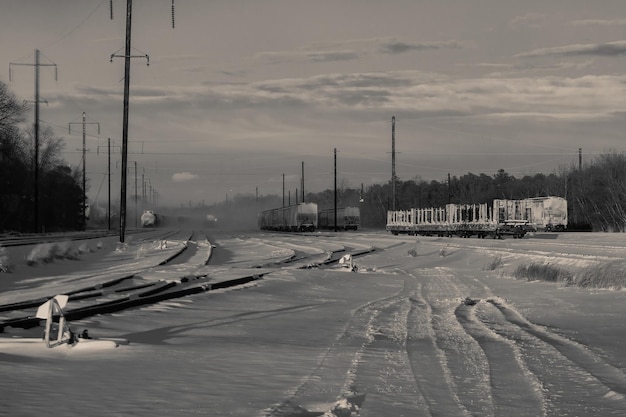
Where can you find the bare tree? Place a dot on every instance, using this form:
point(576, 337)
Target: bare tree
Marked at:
point(12, 111)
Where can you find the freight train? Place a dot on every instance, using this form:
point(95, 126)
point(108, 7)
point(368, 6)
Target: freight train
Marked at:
point(503, 217)
point(149, 219)
point(305, 217)
point(348, 218)
point(300, 217)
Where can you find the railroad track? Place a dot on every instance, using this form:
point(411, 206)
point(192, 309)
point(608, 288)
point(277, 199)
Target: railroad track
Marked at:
point(9, 240)
point(128, 286)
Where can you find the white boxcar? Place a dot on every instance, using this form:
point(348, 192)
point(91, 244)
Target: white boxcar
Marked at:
point(547, 213)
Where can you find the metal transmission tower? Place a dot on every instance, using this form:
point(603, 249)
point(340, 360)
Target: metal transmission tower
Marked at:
point(84, 150)
point(37, 64)
point(127, 56)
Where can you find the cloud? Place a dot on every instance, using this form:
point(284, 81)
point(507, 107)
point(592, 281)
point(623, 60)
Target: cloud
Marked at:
point(183, 177)
point(304, 56)
point(599, 22)
point(616, 48)
point(279, 108)
point(399, 47)
point(529, 20)
point(353, 49)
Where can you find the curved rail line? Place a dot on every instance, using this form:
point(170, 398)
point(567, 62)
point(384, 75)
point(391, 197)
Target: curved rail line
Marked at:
point(130, 290)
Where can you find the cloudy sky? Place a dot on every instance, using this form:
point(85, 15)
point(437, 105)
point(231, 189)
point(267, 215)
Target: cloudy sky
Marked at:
point(240, 92)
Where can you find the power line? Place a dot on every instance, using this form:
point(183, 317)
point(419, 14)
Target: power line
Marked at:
point(75, 27)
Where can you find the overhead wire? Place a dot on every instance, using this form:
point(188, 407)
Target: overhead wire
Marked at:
point(82, 22)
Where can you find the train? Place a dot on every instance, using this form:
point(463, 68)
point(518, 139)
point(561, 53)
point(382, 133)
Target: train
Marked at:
point(501, 217)
point(547, 213)
point(210, 220)
point(300, 217)
point(348, 218)
point(150, 219)
point(305, 217)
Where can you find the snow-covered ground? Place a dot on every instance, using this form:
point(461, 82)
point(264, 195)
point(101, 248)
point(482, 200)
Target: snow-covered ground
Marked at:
point(426, 327)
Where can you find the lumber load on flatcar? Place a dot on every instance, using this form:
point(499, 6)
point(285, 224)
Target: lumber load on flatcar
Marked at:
point(503, 217)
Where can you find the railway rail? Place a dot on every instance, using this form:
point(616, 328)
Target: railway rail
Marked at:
point(8, 240)
point(183, 268)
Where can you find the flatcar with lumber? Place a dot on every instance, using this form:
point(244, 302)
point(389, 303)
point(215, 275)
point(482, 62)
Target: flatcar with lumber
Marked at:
point(502, 217)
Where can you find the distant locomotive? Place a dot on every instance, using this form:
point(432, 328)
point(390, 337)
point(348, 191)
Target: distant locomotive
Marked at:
point(348, 218)
point(210, 220)
point(503, 217)
point(149, 219)
point(300, 217)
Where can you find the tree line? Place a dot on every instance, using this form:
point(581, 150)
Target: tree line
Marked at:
point(596, 195)
point(59, 189)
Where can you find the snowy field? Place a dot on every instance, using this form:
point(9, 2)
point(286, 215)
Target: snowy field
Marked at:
point(425, 327)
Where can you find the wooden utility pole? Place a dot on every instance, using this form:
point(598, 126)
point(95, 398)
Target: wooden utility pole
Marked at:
point(136, 214)
point(335, 189)
point(302, 187)
point(580, 159)
point(449, 189)
point(109, 175)
point(127, 56)
point(393, 163)
point(127, 51)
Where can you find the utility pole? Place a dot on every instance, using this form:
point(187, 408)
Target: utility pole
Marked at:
point(136, 215)
point(580, 159)
point(335, 189)
point(69, 131)
point(127, 56)
point(143, 187)
point(393, 163)
point(37, 64)
point(109, 175)
point(449, 189)
point(302, 187)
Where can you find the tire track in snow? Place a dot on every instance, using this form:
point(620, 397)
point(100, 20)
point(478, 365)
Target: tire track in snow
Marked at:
point(337, 374)
point(449, 367)
point(385, 370)
point(515, 390)
point(573, 377)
